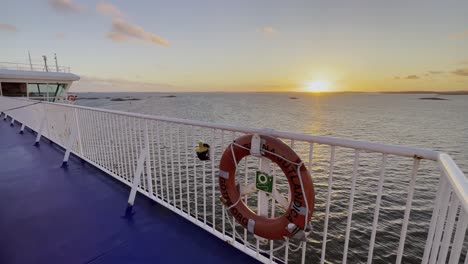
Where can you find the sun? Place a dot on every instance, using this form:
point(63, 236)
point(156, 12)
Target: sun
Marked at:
point(318, 87)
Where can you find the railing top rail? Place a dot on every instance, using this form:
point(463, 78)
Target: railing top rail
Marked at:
point(35, 67)
point(456, 177)
point(346, 143)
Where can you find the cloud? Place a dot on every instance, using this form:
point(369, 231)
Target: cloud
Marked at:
point(107, 9)
point(60, 35)
point(8, 27)
point(436, 72)
point(67, 6)
point(459, 35)
point(412, 77)
point(268, 31)
point(461, 72)
point(122, 31)
point(463, 62)
point(95, 84)
point(396, 77)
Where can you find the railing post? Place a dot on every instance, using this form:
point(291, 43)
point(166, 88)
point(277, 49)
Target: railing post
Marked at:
point(22, 128)
point(69, 146)
point(136, 180)
point(148, 163)
point(5, 117)
point(39, 132)
point(12, 123)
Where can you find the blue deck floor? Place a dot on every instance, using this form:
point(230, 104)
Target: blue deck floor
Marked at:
point(53, 215)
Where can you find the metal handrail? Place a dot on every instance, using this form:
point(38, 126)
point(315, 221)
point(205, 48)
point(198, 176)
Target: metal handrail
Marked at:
point(456, 177)
point(346, 143)
point(31, 67)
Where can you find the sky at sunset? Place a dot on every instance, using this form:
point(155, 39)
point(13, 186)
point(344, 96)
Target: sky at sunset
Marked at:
point(242, 45)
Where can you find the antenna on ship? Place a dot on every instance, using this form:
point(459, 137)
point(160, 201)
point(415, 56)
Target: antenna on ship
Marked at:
point(45, 63)
point(30, 62)
point(56, 63)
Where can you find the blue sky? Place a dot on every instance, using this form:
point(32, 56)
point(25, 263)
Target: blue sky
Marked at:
point(245, 45)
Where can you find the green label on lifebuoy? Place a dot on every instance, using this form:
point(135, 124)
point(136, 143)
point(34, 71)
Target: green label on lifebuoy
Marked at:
point(264, 182)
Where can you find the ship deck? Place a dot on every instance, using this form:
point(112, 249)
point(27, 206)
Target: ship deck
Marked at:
point(50, 214)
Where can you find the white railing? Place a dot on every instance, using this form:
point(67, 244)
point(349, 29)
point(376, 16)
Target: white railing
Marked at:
point(374, 203)
point(32, 67)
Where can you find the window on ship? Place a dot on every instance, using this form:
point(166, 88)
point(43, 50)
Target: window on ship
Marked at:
point(46, 91)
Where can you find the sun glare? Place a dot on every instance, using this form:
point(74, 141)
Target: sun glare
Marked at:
point(318, 87)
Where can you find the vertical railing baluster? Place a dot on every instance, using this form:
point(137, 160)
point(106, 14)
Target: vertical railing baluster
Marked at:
point(133, 145)
point(311, 156)
point(131, 156)
point(273, 210)
point(327, 208)
point(166, 173)
point(180, 170)
point(195, 175)
point(138, 146)
point(377, 209)
point(203, 163)
point(158, 139)
point(92, 145)
point(84, 134)
point(246, 173)
point(222, 206)
point(454, 204)
point(434, 219)
point(118, 144)
point(93, 137)
point(350, 205)
point(233, 136)
point(77, 124)
point(126, 149)
point(149, 177)
point(409, 201)
point(99, 139)
point(457, 244)
point(187, 169)
point(171, 144)
point(141, 143)
point(153, 158)
point(440, 226)
point(123, 154)
point(105, 141)
point(213, 191)
point(111, 142)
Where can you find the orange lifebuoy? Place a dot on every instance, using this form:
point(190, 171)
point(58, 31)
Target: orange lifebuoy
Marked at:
point(301, 205)
point(71, 98)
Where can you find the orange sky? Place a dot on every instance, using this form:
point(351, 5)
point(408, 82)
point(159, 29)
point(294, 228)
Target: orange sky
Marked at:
point(244, 45)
